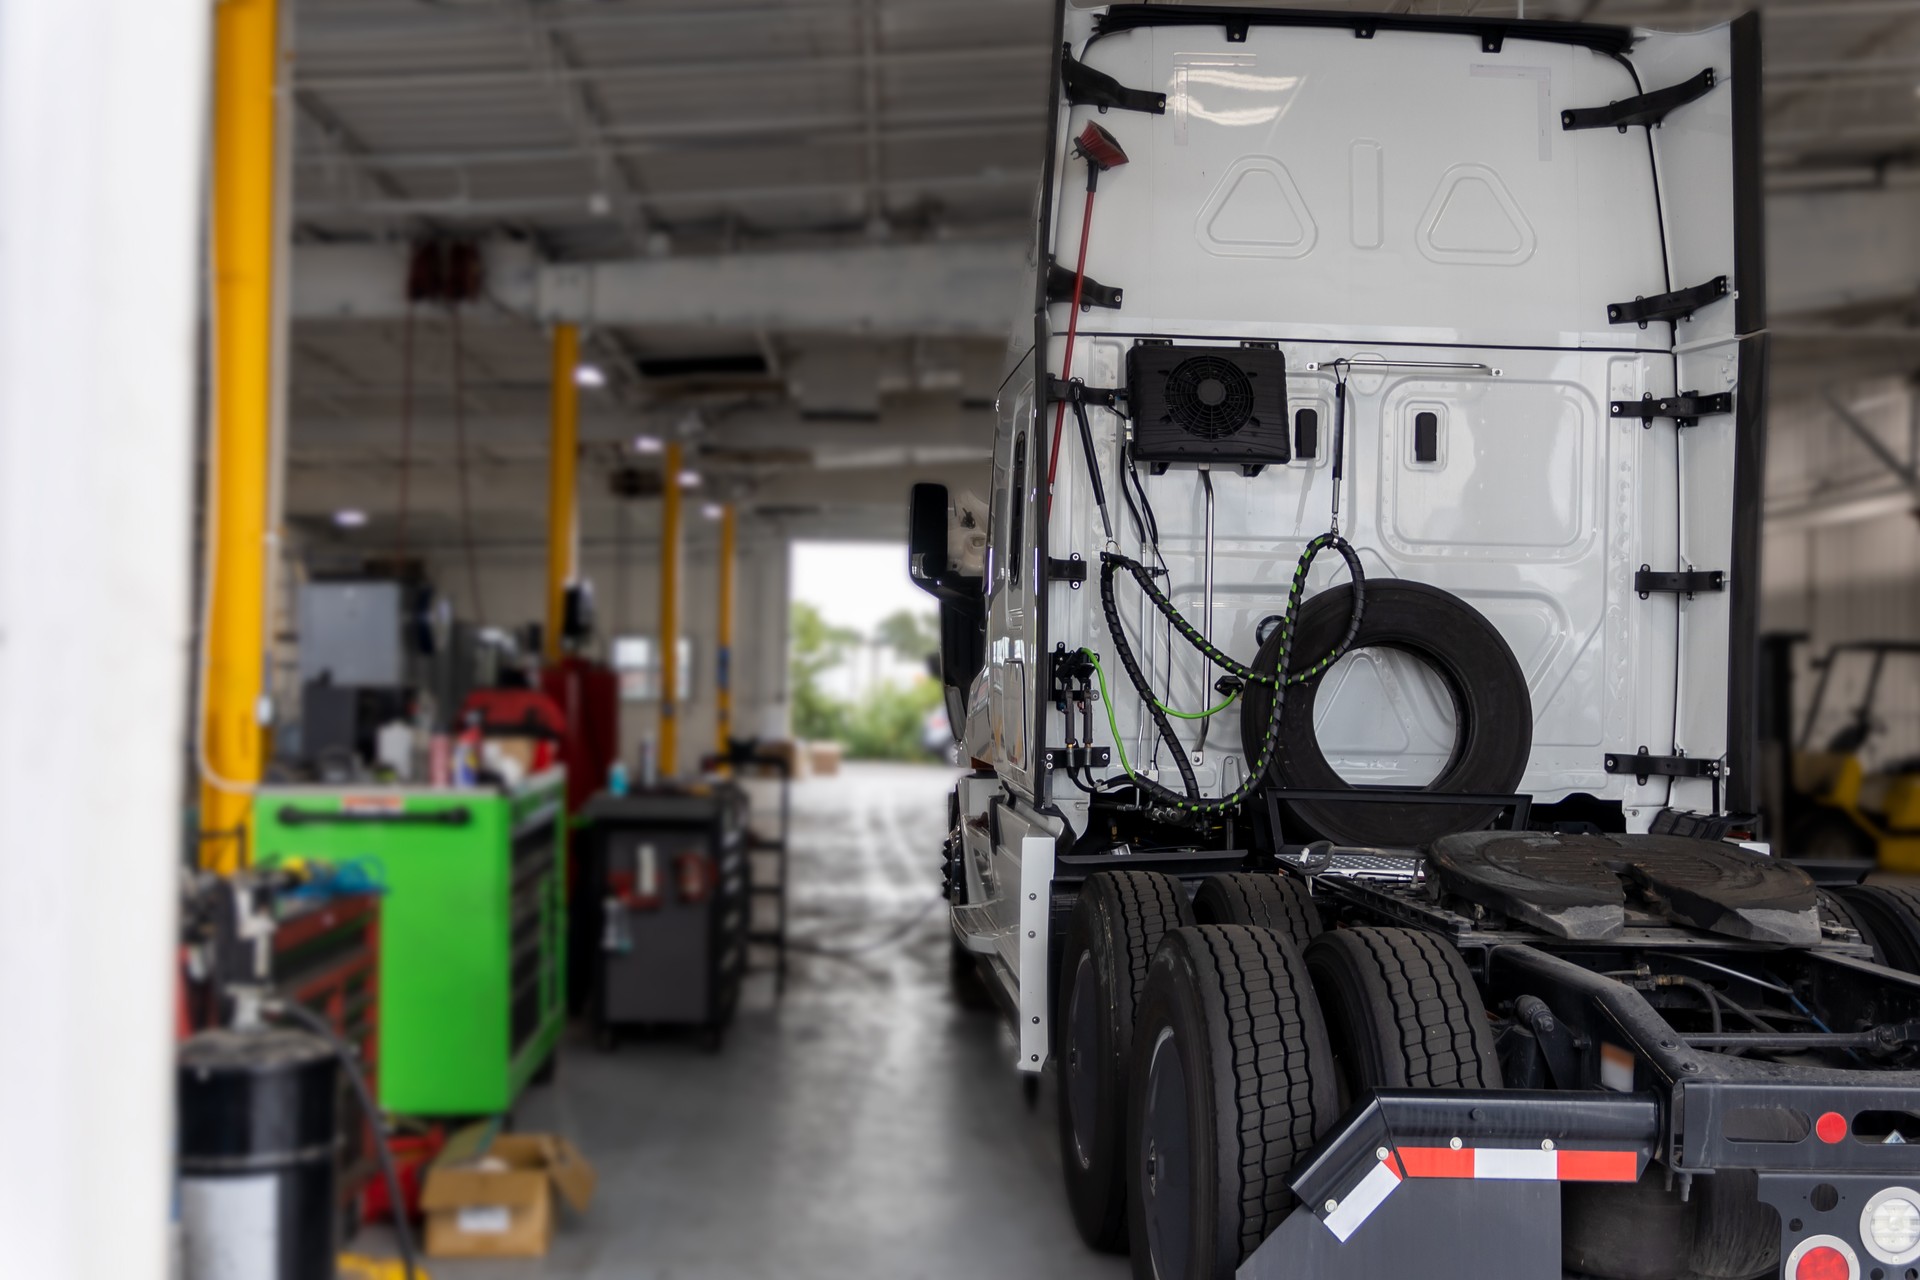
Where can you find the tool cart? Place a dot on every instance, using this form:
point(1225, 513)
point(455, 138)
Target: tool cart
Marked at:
point(668, 870)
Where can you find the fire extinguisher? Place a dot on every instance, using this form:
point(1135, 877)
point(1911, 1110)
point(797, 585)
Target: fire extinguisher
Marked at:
point(694, 873)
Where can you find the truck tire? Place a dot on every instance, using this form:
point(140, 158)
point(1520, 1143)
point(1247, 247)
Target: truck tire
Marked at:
point(969, 986)
point(1117, 923)
point(1889, 917)
point(1493, 710)
point(1261, 900)
point(1402, 1011)
point(1233, 1081)
point(1834, 905)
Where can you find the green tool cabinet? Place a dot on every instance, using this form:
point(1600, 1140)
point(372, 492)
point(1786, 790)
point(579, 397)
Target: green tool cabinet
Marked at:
point(472, 929)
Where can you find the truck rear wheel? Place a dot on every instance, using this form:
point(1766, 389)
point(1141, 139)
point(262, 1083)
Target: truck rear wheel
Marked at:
point(1402, 1011)
point(1232, 1083)
point(1117, 923)
point(964, 978)
point(1259, 899)
point(1888, 917)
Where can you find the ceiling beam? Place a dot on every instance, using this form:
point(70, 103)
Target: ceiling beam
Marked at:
point(431, 83)
point(959, 288)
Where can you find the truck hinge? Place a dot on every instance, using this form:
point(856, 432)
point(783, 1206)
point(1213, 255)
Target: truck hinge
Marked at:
point(1086, 87)
point(1092, 292)
point(1687, 582)
point(1686, 409)
point(1078, 392)
point(1676, 306)
point(1072, 570)
point(1647, 108)
point(1644, 765)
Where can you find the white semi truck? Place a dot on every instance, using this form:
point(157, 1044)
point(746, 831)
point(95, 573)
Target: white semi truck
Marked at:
point(1359, 684)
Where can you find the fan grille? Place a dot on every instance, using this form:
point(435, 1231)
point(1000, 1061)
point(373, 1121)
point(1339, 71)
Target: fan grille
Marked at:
point(1209, 397)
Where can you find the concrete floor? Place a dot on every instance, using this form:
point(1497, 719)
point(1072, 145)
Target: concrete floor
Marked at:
point(864, 1126)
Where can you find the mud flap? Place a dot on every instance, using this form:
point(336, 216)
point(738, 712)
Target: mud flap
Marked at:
point(1452, 1183)
point(1435, 1228)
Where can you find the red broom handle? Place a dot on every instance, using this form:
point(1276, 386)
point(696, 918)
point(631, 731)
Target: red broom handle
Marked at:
point(1066, 361)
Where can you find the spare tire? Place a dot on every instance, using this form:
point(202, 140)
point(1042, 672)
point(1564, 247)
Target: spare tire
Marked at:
point(1493, 712)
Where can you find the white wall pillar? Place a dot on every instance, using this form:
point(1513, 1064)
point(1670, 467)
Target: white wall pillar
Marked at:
point(102, 124)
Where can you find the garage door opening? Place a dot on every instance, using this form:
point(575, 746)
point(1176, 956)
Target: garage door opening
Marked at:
point(864, 646)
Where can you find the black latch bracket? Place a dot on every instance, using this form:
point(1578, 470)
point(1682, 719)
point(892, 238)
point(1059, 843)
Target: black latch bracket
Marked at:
point(1086, 87)
point(1685, 583)
point(1644, 765)
point(1647, 108)
point(1092, 292)
point(1079, 757)
point(1072, 570)
point(1686, 409)
point(1678, 305)
point(1078, 392)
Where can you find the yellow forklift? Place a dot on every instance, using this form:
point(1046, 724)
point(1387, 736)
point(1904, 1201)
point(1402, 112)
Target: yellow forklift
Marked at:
point(1835, 806)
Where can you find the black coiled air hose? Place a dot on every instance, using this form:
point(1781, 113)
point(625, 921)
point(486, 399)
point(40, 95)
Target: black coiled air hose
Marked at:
point(1108, 563)
point(1192, 802)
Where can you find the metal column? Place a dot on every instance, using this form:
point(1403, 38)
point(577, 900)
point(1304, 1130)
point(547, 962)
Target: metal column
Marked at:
point(246, 53)
point(563, 531)
point(670, 611)
point(723, 662)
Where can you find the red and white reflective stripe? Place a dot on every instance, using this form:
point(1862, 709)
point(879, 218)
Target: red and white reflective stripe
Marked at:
point(1526, 1164)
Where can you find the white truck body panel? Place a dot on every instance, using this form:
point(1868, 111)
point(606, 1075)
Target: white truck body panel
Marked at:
point(1404, 201)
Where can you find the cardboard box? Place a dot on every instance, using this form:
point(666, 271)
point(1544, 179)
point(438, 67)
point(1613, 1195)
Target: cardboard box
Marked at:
point(497, 1201)
point(823, 759)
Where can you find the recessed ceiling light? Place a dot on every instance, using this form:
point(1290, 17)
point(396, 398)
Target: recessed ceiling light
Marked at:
point(689, 479)
point(349, 517)
point(589, 375)
point(648, 444)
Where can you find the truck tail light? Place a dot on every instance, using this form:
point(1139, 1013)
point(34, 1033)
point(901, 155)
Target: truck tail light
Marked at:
point(1822, 1258)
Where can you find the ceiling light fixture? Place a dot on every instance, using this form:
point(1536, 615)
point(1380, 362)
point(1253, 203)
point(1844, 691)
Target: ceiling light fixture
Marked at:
point(689, 479)
point(349, 517)
point(589, 375)
point(713, 510)
point(648, 444)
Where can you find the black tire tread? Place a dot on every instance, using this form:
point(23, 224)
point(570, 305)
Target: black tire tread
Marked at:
point(1890, 914)
point(1130, 911)
point(1263, 900)
point(1267, 1041)
point(1423, 1015)
point(969, 985)
point(1847, 914)
point(1151, 905)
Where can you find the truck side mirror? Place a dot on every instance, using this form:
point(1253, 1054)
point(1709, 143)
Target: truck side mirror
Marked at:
point(927, 557)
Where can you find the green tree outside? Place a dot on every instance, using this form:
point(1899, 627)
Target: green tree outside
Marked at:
point(887, 722)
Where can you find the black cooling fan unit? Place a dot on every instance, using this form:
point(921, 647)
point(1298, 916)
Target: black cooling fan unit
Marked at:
point(1224, 405)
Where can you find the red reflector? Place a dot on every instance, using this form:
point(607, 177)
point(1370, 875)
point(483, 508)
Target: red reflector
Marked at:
point(1436, 1162)
point(1831, 1127)
point(1599, 1166)
point(1823, 1262)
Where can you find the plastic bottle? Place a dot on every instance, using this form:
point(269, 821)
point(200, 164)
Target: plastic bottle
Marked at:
point(617, 778)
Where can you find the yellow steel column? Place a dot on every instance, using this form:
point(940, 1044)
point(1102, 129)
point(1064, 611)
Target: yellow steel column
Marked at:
point(564, 448)
point(246, 50)
point(670, 611)
point(723, 669)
